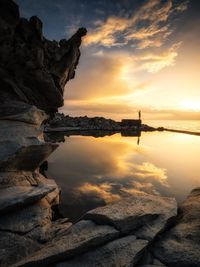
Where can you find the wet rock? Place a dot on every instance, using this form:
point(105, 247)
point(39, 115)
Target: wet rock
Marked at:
point(180, 245)
point(122, 252)
point(79, 238)
point(20, 196)
point(145, 215)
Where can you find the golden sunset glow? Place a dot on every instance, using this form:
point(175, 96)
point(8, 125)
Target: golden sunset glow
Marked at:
point(145, 61)
point(193, 106)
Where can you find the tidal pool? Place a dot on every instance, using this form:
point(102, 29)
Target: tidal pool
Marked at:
point(95, 171)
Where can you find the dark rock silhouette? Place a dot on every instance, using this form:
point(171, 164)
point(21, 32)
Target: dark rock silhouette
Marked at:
point(33, 69)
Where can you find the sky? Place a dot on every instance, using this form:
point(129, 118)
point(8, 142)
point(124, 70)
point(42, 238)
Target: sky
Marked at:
point(138, 55)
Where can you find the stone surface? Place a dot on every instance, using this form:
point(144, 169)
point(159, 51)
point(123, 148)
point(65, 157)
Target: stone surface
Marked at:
point(8, 179)
point(22, 112)
point(22, 146)
point(25, 158)
point(144, 214)
point(14, 247)
point(20, 196)
point(122, 252)
point(26, 219)
point(81, 237)
point(180, 246)
point(33, 69)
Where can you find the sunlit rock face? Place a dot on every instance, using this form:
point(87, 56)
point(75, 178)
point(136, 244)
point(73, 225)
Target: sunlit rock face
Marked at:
point(33, 69)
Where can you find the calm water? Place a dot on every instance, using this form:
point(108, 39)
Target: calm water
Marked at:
point(178, 125)
point(94, 171)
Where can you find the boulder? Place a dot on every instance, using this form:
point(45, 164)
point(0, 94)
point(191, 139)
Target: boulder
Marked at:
point(145, 215)
point(79, 238)
point(122, 252)
point(180, 245)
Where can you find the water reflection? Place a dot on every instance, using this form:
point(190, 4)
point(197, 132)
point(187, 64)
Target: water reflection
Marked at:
point(94, 171)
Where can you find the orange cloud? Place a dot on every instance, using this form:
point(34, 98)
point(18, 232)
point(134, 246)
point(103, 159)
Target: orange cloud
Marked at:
point(155, 62)
point(154, 33)
point(104, 33)
point(102, 191)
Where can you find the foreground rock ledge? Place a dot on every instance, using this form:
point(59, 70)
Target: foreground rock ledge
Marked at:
point(180, 246)
point(139, 219)
point(145, 215)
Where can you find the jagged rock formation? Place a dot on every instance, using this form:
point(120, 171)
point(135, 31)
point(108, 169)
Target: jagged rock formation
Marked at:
point(33, 69)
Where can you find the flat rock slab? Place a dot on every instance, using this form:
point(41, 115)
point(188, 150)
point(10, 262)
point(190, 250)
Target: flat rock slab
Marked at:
point(20, 196)
point(26, 219)
point(24, 157)
point(145, 213)
point(180, 246)
point(122, 252)
point(79, 238)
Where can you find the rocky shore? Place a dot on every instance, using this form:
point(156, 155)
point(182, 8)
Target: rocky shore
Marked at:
point(60, 123)
point(142, 230)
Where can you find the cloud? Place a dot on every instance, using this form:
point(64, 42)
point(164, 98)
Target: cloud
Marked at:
point(104, 74)
point(156, 62)
point(149, 26)
point(104, 33)
point(103, 191)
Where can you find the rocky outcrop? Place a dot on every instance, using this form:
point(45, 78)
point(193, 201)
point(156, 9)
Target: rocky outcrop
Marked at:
point(180, 245)
point(118, 234)
point(134, 213)
point(33, 69)
point(33, 73)
point(61, 123)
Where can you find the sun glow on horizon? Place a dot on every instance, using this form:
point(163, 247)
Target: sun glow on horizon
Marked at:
point(190, 106)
